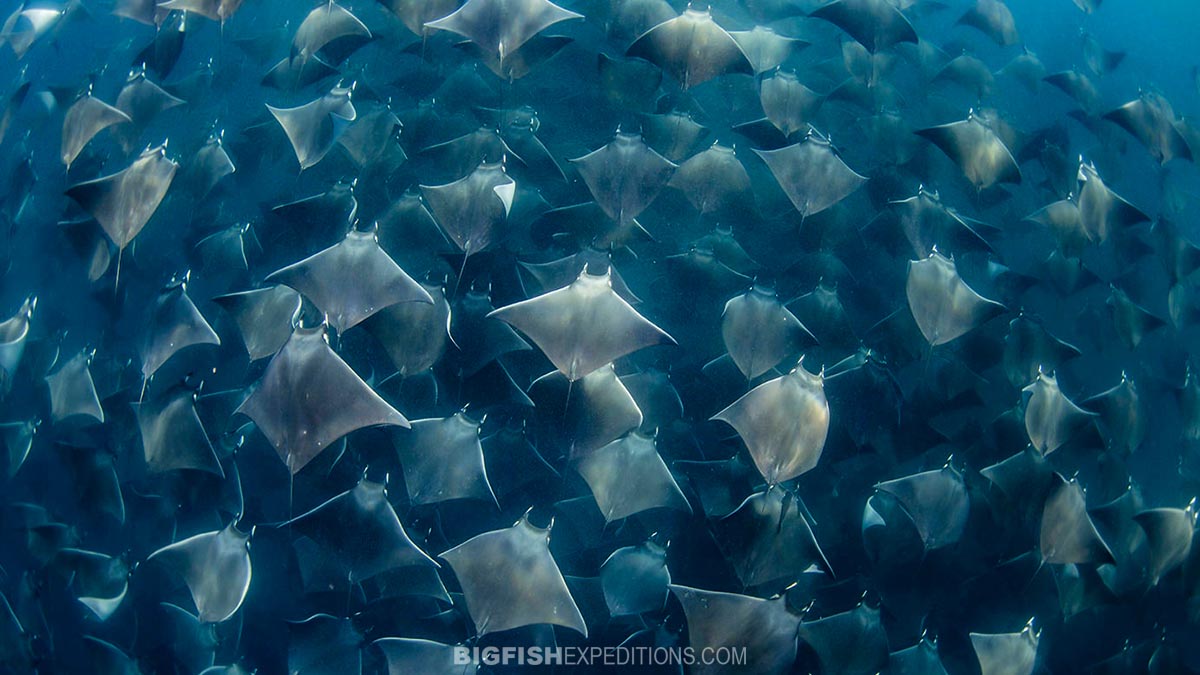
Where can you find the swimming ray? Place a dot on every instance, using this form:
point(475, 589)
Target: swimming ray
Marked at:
point(501, 27)
point(1150, 119)
point(766, 49)
point(929, 224)
point(944, 306)
point(263, 317)
point(597, 410)
point(977, 150)
point(875, 24)
point(850, 643)
point(351, 280)
point(937, 503)
point(1067, 533)
point(1029, 347)
point(510, 580)
point(1065, 222)
point(628, 477)
point(314, 128)
point(1102, 211)
point(123, 202)
point(919, 659)
point(473, 209)
point(674, 134)
point(1169, 535)
point(1051, 419)
point(994, 19)
point(1078, 86)
point(210, 164)
point(324, 645)
point(360, 530)
point(14, 331)
point(558, 273)
point(72, 391)
point(1026, 68)
point(635, 579)
point(216, 568)
point(415, 335)
point(714, 180)
point(107, 659)
point(16, 440)
point(767, 539)
point(788, 104)
point(85, 118)
point(480, 338)
point(624, 176)
point(1131, 321)
point(783, 423)
point(371, 135)
point(26, 25)
point(414, 655)
point(442, 460)
point(99, 581)
point(214, 10)
point(812, 174)
point(765, 629)
point(141, 100)
point(1006, 653)
point(174, 324)
point(583, 326)
point(1122, 417)
point(173, 437)
point(692, 48)
point(759, 331)
point(300, 425)
point(325, 24)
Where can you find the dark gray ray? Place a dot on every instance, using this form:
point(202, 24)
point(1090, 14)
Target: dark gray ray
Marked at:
point(1065, 222)
point(516, 65)
point(783, 422)
point(16, 438)
point(765, 629)
point(367, 139)
point(141, 100)
point(714, 181)
point(473, 209)
point(1080, 588)
point(919, 659)
point(351, 280)
point(656, 396)
point(767, 539)
point(512, 462)
point(1122, 416)
point(969, 73)
point(944, 306)
point(628, 477)
point(172, 435)
point(629, 84)
point(414, 14)
point(812, 174)
point(314, 128)
point(766, 49)
point(1189, 405)
point(759, 331)
point(977, 150)
point(1067, 533)
point(480, 338)
point(361, 531)
point(1051, 419)
point(443, 460)
point(99, 581)
point(414, 334)
point(937, 503)
point(789, 105)
point(85, 118)
point(308, 398)
point(1006, 653)
point(263, 316)
point(412, 655)
point(325, 24)
point(1029, 347)
point(216, 568)
point(511, 580)
point(123, 202)
point(692, 48)
point(460, 155)
point(226, 252)
point(675, 134)
point(1131, 321)
point(597, 408)
point(875, 24)
point(635, 579)
point(626, 20)
point(214, 10)
point(297, 71)
point(624, 176)
point(174, 324)
point(107, 659)
point(558, 273)
point(1101, 210)
point(501, 27)
point(850, 643)
point(583, 326)
point(93, 475)
point(993, 19)
point(1078, 86)
point(72, 392)
point(210, 164)
point(324, 645)
point(1169, 535)
point(14, 331)
point(929, 224)
point(1151, 120)
point(192, 645)
point(1026, 68)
